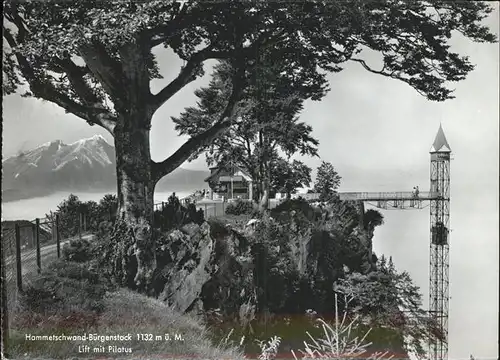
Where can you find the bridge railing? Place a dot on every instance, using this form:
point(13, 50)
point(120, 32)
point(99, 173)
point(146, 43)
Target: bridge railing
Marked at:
point(397, 195)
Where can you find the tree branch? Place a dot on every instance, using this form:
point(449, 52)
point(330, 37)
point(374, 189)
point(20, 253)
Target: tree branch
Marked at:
point(188, 72)
point(386, 74)
point(160, 34)
point(205, 138)
point(186, 75)
point(47, 91)
point(106, 70)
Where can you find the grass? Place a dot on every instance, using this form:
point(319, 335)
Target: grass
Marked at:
point(68, 299)
point(124, 313)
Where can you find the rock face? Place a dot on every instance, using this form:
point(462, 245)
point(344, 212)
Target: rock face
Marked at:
point(190, 265)
point(200, 260)
point(264, 266)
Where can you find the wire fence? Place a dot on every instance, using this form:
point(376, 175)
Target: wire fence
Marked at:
point(27, 248)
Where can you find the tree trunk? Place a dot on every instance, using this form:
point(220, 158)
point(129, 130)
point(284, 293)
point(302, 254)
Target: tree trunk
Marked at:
point(264, 174)
point(133, 254)
point(266, 187)
point(264, 200)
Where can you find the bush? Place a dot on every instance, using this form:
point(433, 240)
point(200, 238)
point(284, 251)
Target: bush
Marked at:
point(299, 205)
point(71, 209)
point(78, 250)
point(104, 229)
point(240, 207)
point(174, 215)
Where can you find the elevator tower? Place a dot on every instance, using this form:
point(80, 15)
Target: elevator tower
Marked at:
point(439, 243)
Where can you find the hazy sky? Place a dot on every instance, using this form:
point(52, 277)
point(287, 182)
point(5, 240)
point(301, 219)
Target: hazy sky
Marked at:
point(377, 132)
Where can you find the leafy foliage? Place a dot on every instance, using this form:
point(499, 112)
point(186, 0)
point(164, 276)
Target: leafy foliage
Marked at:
point(327, 181)
point(61, 29)
point(240, 207)
point(287, 176)
point(108, 207)
point(69, 211)
point(174, 215)
point(95, 216)
point(372, 218)
point(391, 299)
point(78, 250)
point(300, 207)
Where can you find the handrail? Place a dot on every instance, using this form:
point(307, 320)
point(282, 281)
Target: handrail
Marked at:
point(379, 196)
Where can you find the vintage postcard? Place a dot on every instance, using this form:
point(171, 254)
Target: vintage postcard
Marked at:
point(250, 180)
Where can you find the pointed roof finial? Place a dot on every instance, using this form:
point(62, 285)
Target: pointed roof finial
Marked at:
point(440, 142)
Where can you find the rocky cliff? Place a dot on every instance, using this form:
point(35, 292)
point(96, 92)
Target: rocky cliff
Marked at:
point(273, 264)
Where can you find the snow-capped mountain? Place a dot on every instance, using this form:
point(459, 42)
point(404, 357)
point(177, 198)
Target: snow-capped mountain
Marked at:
point(87, 164)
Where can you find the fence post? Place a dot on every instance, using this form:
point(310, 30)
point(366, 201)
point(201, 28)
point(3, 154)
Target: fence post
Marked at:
point(5, 310)
point(58, 237)
point(80, 225)
point(18, 259)
point(206, 215)
point(33, 238)
point(38, 255)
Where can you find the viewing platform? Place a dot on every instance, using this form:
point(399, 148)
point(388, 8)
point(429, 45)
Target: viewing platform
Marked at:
point(385, 200)
point(389, 196)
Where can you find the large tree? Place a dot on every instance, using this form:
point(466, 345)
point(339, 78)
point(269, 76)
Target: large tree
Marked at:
point(265, 125)
point(95, 59)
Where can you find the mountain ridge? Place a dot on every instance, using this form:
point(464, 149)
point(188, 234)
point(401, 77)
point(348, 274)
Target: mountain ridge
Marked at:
point(84, 165)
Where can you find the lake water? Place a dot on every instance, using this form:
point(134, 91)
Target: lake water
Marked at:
point(29, 209)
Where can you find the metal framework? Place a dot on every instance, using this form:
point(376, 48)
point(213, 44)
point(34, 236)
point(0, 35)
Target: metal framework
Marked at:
point(439, 251)
point(439, 198)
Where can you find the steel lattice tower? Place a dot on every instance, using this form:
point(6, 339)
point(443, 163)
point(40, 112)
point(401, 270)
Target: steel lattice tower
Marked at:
point(439, 244)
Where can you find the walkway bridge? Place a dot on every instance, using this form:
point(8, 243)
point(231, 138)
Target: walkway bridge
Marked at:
point(388, 196)
point(397, 199)
point(384, 200)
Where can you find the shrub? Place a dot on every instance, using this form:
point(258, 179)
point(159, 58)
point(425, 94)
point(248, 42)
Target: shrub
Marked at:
point(71, 209)
point(104, 229)
point(339, 340)
point(240, 207)
point(78, 250)
point(299, 205)
point(174, 215)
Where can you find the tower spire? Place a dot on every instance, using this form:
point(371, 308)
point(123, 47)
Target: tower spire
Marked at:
point(440, 142)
